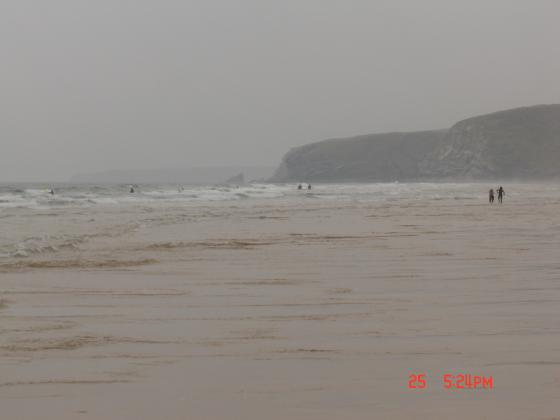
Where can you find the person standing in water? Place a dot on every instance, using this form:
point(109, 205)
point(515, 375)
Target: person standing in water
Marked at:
point(501, 194)
point(491, 196)
point(131, 189)
point(308, 186)
point(299, 187)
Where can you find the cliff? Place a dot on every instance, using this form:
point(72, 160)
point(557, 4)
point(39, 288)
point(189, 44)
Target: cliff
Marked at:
point(374, 157)
point(522, 144)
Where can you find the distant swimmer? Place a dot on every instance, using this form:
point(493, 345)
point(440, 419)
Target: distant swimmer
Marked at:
point(491, 196)
point(131, 190)
point(501, 194)
point(308, 186)
point(51, 192)
point(299, 187)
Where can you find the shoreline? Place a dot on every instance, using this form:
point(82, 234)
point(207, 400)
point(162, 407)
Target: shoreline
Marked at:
point(309, 309)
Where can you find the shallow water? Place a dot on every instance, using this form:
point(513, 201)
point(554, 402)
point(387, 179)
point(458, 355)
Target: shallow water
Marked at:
point(305, 306)
point(32, 221)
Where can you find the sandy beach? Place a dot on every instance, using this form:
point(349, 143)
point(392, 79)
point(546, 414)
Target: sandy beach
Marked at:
point(300, 307)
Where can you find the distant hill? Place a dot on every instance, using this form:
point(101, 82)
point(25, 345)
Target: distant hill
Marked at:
point(373, 157)
point(202, 175)
point(238, 179)
point(521, 144)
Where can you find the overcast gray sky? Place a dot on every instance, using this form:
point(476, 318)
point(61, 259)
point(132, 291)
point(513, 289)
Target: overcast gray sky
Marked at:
point(91, 85)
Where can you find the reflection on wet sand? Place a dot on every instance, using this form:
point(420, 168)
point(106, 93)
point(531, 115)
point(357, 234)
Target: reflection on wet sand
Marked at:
point(318, 310)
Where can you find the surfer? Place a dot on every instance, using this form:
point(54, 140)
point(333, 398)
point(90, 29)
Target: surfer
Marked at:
point(491, 196)
point(501, 194)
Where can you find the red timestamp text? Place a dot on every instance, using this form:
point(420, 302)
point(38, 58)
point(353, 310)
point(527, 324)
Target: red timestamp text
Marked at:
point(453, 381)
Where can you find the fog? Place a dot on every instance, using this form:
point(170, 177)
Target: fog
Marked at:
point(115, 84)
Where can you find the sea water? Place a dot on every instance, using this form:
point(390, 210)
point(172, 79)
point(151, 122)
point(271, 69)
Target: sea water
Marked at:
point(34, 221)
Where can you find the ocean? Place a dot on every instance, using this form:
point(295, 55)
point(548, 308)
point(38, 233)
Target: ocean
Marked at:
point(160, 303)
point(33, 221)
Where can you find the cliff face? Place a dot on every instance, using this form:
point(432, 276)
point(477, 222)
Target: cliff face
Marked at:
point(374, 157)
point(522, 143)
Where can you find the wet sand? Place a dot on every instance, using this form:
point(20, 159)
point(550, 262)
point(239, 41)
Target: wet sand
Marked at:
point(287, 309)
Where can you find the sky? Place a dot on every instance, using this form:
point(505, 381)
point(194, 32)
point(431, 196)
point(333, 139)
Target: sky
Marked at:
point(94, 85)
